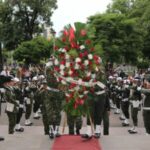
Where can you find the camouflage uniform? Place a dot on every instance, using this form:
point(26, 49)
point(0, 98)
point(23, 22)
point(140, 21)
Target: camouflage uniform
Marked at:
point(28, 99)
point(19, 98)
point(11, 113)
point(50, 107)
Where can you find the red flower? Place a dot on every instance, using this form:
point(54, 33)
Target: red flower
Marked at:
point(64, 39)
point(63, 62)
point(56, 68)
point(65, 32)
point(92, 49)
point(75, 105)
point(88, 42)
point(66, 48)
point(90, 63)
point(56, 48)
point(81, 55)
point(71, 34)
point(85, 53)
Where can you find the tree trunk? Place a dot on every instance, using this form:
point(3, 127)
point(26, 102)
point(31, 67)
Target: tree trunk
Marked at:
point(1, 58)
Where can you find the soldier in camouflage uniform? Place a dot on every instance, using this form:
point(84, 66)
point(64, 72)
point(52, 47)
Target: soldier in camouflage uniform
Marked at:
point(72, 121)
point(96, 105)
point(28, 99)
point(12, 105)
point(50, 108)
point(36, 104)
point(19, 98)
point(1, 87)
point(146, 104)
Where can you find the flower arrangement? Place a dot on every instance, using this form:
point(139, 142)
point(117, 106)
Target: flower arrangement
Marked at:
point(76, 65)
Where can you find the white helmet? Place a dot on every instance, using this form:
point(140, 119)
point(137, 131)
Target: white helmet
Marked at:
point(34, 78)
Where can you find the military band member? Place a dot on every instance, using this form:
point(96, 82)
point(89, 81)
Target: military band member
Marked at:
point(19, 99)
point(125, 104)
point(96, 104)
point(1, 90)
point(50, 108)
point(27, 94)
point(146, 105)
point(135, 101)
point(11, 105)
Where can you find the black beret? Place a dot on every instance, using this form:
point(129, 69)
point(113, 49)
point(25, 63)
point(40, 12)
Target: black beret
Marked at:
point(4, 79)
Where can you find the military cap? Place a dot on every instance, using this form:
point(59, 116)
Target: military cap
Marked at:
point(4, 79)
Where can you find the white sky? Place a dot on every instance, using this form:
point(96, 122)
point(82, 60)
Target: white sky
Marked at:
point(70, 11)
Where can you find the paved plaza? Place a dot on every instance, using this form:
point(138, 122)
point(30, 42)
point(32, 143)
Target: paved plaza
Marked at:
point(33, 137)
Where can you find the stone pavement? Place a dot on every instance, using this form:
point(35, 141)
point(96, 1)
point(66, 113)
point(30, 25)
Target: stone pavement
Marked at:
point(34, 139)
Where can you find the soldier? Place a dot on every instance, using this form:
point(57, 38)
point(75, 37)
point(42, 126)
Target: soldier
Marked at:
point(125, 103)
point(50, 108)
point(19, 98)
point(72, 122)
point(118, 90)
point(135, 101)
point(146, 105)
point(11, 105)
point(27, 94)
point(36, 104)
point(1, 87)
point(96, 105)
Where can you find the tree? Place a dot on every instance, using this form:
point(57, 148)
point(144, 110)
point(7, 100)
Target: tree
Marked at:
point(20, 20)
point(118, 35)
point(120, 6)
point(34, 51)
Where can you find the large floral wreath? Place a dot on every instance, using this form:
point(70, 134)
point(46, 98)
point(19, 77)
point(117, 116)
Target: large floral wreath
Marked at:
point(76, 66)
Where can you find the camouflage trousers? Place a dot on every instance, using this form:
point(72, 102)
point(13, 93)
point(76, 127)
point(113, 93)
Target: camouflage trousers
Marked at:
point(12, 122)
point(74, 122)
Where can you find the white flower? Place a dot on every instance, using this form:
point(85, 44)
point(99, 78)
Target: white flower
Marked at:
point(71, 90)
point(80, 81)
point(67, 56)
point(50, 63)
point(77, 88)
point(90, 56)
point(69, 79)
point(62, 67)
point(96, 69)
point(76, 66)
point(67, 94)
point(82, 47)
point(81, 96)
point(78, 60)
point(93, 76)
point(63, 82)
point(100, 60)
point(70, 72)
point(67, 64)
point(62, 50)
point(56, 62)
point(86, 62)
point(85, 92)
point(62, 72)
point(88, 74)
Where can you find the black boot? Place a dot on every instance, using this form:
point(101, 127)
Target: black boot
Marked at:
point(1, 138)
point(78, 131)
point(51, 135)
point(86, 136)
point(97, 135)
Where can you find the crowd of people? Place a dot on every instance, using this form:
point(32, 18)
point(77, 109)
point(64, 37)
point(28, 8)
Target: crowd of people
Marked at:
point(27, 89)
